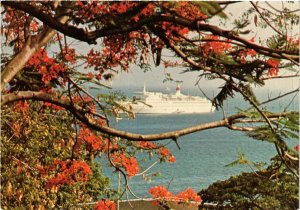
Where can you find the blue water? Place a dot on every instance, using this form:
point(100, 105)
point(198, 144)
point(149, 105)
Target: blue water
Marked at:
point(203, 155)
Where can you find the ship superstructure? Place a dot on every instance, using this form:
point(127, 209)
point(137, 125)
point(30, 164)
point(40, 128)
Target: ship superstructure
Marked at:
point(160, 103)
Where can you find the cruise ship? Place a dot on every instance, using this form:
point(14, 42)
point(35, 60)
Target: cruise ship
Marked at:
point(159, 103)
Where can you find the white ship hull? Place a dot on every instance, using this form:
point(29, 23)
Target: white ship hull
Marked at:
point(159, 103)
point(172, 107)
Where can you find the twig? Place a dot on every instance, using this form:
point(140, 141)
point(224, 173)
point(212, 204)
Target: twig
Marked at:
point(263, 17)
point(147, 169)
point(91, 96)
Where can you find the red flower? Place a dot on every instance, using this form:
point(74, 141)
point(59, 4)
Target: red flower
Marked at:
point(251, 52)
point(217, 47)
point(160, 192)
point(21, 106)
point(273, 71)
point(172, 159)
point(92, 139)
point(164, 152)
point(252, 39)
point(130, 164)
point(273, 63)
point(188, 195)
point(105, 205)
point(146, 145)
point(68, 172)
point(90, 75)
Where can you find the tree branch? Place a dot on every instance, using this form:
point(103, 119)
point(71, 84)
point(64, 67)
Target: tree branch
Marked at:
point(78, 112)
point(32, 45)
point(263, 17)
point(280, 77)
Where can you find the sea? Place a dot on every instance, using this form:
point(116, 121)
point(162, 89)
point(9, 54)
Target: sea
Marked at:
point(203, 156)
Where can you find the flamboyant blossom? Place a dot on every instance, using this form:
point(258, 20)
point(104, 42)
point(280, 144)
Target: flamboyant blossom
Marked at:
point(215, 45)
point(274, 67)
point(130, 164)
point(146, 145)
point(94, 140)
point(66, 172)
point(188, 195)
point(161, 193)
point(105, 205)
point(47, 66)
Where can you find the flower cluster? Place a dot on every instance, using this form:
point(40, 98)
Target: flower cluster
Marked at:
point(184, 9)
point(273, 70)
point(69, 172)
point(188, 195)
point(69, 55)
point(170, 29)
point(48, 67)
point(146, 145)
point(160, 193)
point(243, 54)
point(105, 205)
point(163, 194)
point(21, 106)
point(165, 154)
point(12, 27)
point(147, 11)
point(95, 141)
point(130, 164)
point(116, 52)
point(215, 45)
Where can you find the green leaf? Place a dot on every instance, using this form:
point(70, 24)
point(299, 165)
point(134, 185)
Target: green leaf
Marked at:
point(262, 133)
point(210, 8)
point(240, 161)
point(226, 91)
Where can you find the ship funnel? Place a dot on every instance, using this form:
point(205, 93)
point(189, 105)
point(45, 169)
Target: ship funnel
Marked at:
point(178, 90)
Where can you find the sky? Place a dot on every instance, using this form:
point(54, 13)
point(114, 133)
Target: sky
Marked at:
point(136, 78)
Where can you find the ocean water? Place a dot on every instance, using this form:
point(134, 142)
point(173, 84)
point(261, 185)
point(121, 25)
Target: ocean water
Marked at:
point(203, 155)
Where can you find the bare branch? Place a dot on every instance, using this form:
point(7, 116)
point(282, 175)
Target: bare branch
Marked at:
point(280, 96)
point(232, 127)
point(281, 77)
point(263, 17)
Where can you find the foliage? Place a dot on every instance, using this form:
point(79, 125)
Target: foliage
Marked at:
point(37, 167)
point(286, 128)
point(272, 188)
